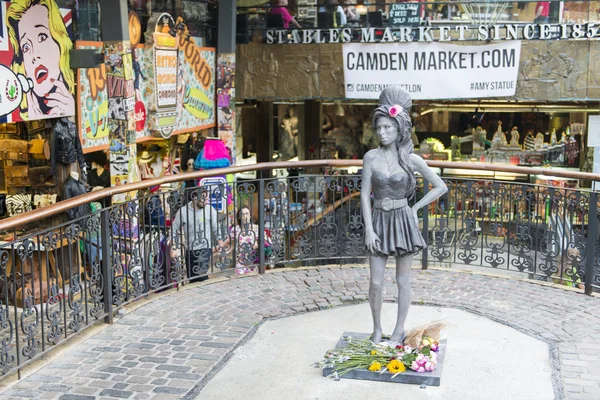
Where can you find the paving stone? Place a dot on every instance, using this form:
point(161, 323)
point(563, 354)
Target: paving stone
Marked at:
point(76, 397)
point(120, 386)
point(182, 375)
point(120, 394)
point(155, 340)
point(54, 388)
point(173, 368)
point(113, 370)
point(156, 360)
point(169, 390)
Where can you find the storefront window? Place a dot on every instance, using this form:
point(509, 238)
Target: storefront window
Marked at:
point(86, 18)
point(199, 16)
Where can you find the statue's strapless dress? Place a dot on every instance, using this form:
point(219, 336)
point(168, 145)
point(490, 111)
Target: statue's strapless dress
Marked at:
point(393, 219)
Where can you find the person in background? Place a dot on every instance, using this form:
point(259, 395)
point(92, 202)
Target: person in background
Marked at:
point(333, 6)
point(279, 8)
point(193, 230)
point(542, 11)
point(350, 10)
point(245, 236)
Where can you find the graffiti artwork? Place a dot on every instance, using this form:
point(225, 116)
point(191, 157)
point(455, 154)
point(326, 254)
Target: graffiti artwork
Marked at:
point(35, 79)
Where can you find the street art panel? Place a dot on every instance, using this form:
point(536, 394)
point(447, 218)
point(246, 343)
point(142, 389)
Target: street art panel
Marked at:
point(36, 81)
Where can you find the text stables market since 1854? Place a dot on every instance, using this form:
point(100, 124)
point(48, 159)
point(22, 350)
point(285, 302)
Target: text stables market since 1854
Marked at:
point(496, 32)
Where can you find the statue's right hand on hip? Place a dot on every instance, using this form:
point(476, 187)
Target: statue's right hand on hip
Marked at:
point(372, 241)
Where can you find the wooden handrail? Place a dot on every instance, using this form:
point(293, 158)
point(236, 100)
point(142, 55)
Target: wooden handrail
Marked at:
point(62, 206)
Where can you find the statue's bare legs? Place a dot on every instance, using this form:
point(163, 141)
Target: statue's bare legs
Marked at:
point(376, 293)
point(403, 265)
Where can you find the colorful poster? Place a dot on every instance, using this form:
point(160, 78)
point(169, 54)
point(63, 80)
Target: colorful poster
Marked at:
point(195, 104)
point(36, 81)
point(142, 77)
point(93, 104)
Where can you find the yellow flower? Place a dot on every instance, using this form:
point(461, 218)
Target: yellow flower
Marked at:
point(374, 353)
point(396, 366)
point(375, 366)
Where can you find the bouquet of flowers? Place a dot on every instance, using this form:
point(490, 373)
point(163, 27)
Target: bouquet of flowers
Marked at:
point(418, 352)
point(364, 354)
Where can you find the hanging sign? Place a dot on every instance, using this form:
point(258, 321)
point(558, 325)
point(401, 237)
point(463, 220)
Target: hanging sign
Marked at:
point(432, 71)
point(166, 68)
point(404, 14)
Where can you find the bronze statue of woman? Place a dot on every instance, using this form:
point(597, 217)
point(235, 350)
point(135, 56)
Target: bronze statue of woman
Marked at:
point(391, 226)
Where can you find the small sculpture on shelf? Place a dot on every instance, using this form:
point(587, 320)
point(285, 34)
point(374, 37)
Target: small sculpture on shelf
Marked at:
point(514, 137)
point(539, 141)
point(499, 139)
point(553, 140)
point(563, 137)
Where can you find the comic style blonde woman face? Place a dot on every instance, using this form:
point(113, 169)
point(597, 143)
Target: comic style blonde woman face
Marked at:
point(41, 43)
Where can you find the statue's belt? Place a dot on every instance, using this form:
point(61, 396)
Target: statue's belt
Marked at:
point(387, 204)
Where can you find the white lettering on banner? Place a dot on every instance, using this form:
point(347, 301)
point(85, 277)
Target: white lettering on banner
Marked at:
point(433, 71)
point(402, 34)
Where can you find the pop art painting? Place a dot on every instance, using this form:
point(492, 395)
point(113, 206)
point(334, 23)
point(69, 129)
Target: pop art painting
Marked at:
point(36, 81)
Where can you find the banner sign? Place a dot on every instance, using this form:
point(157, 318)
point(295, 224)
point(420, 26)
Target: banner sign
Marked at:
point(483, 33)
point(36, 81)
point(433, 71)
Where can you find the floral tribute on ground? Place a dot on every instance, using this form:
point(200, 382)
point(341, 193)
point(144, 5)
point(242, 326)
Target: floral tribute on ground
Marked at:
point(418, 353)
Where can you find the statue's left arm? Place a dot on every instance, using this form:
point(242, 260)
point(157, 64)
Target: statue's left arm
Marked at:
point(439, 187)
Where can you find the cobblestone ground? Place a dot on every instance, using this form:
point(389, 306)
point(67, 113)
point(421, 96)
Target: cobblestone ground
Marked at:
point(170, 347)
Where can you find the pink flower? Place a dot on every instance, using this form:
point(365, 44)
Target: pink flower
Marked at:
point(395, 110)
point(421, 359)
point(434, 347)
point(429, 367)
point(421, 369)
point(414, 366)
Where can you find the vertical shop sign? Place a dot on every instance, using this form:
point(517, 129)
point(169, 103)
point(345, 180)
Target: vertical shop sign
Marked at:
point(166, 66)
point(36, 81)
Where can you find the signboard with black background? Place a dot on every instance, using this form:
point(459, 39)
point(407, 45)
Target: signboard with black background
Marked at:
point(404, 14)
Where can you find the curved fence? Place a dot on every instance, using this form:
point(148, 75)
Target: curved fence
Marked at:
point(57, 280)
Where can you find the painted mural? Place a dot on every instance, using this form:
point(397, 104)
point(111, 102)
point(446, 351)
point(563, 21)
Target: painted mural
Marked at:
point(36, 81)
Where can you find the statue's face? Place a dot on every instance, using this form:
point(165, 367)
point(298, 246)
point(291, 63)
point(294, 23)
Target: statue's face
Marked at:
point(387, 130)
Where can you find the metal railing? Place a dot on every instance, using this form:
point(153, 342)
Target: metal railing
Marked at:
point(56, 281)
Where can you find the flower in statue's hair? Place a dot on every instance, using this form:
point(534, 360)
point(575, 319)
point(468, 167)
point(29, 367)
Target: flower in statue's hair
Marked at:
point(395, 110)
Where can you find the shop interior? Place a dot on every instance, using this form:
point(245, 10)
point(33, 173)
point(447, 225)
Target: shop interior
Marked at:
point(536, 135)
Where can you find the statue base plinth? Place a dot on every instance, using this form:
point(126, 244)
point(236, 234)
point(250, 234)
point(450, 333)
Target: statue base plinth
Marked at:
point(409, 376)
